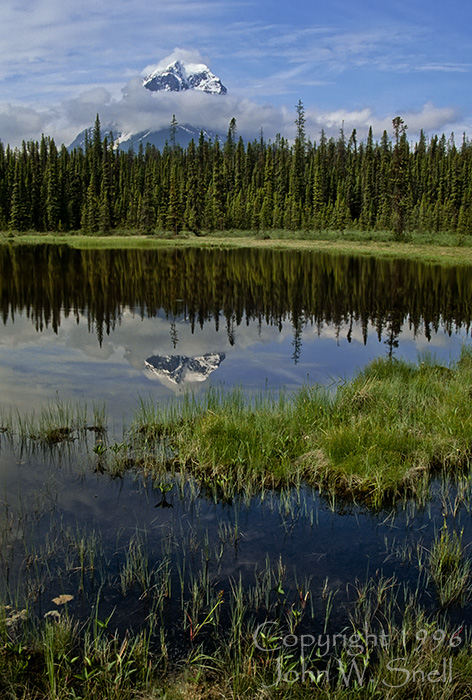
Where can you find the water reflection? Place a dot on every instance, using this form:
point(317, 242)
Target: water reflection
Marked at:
point(229, 287)
point(179, 369)
point(56, 500)
point(84, 323)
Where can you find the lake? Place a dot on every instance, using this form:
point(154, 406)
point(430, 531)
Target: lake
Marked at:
point(114, 326)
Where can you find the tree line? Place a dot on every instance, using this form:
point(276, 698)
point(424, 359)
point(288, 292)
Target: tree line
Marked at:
point(333, 184)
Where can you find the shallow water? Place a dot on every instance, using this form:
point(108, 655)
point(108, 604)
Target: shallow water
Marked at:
point(52, 501)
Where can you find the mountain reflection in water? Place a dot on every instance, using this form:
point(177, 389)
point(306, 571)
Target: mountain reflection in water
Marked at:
point(80, 323)
point(179, 369)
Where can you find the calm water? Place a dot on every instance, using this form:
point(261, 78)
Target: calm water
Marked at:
point(116, 325)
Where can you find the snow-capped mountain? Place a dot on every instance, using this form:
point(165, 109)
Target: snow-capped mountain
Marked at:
point(180, 76)
point(184, 133)
point(180, 369)
point(176, 77)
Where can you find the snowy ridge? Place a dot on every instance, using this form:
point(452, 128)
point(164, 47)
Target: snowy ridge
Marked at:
point(180, 76)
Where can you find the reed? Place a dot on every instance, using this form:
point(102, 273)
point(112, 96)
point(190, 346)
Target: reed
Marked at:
point(378, 438)
point(376, 651)
point(55, 423)
point(449, 568)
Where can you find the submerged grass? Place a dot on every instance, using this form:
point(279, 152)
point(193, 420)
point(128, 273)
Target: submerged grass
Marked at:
point(193, 631)
point(377, 438)
point(177, 622)
point(232, 653)
point(190, 629)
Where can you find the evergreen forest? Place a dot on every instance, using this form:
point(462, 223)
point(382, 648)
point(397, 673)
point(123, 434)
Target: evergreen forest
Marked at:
point(333, 184)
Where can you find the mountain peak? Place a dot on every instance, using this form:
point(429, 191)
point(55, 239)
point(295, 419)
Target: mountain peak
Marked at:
point(180, 75)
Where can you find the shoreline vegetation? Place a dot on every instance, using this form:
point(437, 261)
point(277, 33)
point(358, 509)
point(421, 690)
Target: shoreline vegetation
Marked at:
point(374, 439)
point(379, 437)
point(446, 248)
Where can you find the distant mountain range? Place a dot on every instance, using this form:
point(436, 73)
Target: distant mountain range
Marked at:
point(184, 133)
point(176, 77)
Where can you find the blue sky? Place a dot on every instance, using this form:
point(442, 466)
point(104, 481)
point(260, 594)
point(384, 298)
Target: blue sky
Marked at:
point(360, 63)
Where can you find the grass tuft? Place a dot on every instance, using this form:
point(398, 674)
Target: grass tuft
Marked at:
point(450, 570)
point(379, 437)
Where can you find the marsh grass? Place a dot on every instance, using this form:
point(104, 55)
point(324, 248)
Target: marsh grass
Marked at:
point(55, 423)
point(55, 656)
point(450, 568)
point(378, 438)
point(137, 570)
point(374, 656)
point(441, 247)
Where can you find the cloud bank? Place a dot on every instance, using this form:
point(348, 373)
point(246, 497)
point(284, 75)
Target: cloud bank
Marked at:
point(141, 110)
point(138, 109)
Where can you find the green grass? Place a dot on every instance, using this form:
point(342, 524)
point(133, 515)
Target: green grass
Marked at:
point(234, 658)
point(377, 438)
point(197, 639)
point(441, 247)
point(55, 423)
point(450, 569)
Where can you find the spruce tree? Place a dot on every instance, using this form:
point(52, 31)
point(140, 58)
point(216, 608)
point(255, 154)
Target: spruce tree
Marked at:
point(174, 211)
point(53, 205)
point(399, 179)
point(19, 219)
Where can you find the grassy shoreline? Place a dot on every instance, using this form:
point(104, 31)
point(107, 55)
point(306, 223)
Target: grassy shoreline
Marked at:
point(433, 248)
point(378, 438)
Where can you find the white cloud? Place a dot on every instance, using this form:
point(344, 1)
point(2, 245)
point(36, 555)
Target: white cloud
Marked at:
point(447, 67)
point(139, 109)
point(430, 118)
point(20, 122)
point(36, 36)
point(56, 55)
point(188, 56)
point(49, 47)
